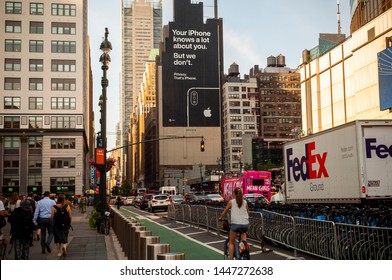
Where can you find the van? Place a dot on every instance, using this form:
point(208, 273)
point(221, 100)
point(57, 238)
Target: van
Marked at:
point(169, 190)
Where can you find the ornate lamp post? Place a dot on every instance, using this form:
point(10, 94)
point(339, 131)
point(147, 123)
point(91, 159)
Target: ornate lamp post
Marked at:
point(105, 47)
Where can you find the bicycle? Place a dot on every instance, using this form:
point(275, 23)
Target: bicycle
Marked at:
point(241, 247)
point(104, 223)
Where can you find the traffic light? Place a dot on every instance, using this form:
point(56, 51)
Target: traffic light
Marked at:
point(202, 146)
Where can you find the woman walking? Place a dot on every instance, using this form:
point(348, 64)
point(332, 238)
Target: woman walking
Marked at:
point(62, 218)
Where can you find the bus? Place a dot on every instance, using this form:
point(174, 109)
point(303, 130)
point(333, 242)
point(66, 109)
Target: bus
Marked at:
point(257, 182)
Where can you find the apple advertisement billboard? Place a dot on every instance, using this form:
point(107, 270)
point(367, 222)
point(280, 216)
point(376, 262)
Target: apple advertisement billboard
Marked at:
point(385, 78)
point(190, 71)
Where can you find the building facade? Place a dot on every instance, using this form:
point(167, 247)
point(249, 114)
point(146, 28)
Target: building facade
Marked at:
point(141, 32)
point(343, 85)
point(46, 114)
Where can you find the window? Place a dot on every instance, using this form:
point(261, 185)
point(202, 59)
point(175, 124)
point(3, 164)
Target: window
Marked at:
point(36, 103)
point(10, 180)
point(13, 26)
point(12, 64)
point(35, 180)
point(11, 102)
point(63, 47)
point(63, 84)
point(36, 65)
point(63, 65)
point(13, 45)
point(36, 84)
point(62, 143)
point(63, 10)
point(11, 163)
point(63, 122)
point(11, 122)
point(36, 8)
point(36, 46)
point(13, 7)
point(63, 103)
point(35, 163)
point(35, 142)
point(11, 142)
point(12, 83)
point(36, 27)
point(68, 28)
point(35, 122)
point(62, 163)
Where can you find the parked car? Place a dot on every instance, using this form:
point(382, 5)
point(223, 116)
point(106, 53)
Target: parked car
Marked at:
point(128, 200)
point(158, 202)
point(144, 201)
point(179, 198)
point(216, 197)
point(255, 200)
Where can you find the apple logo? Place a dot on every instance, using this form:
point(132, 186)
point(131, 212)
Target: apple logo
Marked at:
point(207, 113)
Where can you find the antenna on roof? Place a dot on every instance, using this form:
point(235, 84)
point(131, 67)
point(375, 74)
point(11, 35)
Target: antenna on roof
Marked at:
point(339, 26)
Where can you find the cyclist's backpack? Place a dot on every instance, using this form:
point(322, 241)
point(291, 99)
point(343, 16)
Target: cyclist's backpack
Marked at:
point(61, 217)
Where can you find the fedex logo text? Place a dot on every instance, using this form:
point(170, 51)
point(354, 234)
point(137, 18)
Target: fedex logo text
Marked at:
point(382, 151)
point(305, 168)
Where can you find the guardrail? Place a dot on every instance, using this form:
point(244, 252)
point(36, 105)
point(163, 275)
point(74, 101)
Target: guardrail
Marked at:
point(325, 239)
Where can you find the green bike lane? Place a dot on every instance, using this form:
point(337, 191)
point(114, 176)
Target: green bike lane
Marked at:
point(179, 242)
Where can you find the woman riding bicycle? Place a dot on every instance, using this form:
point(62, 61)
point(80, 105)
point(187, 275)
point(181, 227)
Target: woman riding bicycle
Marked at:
point(239, 218)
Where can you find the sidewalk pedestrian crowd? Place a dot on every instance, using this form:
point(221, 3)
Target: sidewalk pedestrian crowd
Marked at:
point(33, 221)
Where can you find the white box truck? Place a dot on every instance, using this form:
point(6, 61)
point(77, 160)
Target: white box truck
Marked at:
point(351, 163)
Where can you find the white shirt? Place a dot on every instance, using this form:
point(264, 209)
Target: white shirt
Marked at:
point(239, 216)
point(1, 206)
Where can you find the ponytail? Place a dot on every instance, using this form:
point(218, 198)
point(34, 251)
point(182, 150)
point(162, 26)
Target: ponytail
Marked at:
point(239, 198)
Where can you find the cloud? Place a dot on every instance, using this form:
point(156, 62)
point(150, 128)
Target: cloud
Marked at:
point(240, 47)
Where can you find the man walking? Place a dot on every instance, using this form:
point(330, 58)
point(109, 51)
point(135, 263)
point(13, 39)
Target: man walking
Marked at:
point(42, 214)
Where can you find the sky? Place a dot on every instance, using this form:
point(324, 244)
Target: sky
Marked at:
point(252, 30)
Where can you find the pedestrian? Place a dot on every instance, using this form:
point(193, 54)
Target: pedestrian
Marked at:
point(42, 218)
point(62, 219)
point(14, 201)
point(30, 197)
point(22, 227)
point(37, 231)
point(3, 214)
point(239, 218)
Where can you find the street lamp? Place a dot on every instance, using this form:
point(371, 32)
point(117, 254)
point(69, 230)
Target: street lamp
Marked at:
point(105, 47)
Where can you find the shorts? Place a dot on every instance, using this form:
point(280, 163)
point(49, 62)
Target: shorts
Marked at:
point(238, 228)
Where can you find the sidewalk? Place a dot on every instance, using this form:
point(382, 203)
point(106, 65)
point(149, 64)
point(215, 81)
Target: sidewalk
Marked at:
point(84, 243)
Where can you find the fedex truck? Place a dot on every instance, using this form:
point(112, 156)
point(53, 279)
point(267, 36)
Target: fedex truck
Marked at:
point(258, 182)
point(351, 163)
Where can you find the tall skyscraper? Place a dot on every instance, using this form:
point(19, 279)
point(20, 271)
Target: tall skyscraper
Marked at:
point(45, 101)
point(141, 32)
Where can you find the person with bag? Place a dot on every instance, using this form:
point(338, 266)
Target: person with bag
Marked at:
point(22, 227)
point(62, 218)
point(42, 213)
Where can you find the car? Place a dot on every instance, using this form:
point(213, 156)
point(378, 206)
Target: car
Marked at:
point(158, 202)
point(128, 200)
point(144, 201)
point(136, 202)
point(255, 200)
point(215, 197)
point(197, 198)
point(176, 199)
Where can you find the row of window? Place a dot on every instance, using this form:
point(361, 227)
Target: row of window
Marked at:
point(38, 9)
point(37, 46)
point(36, 142)
point(37, 27)
point(54, 163)
point(36, 103)
point(14, 122)
point(37, 65)
point(56, 183)
point(38, 84)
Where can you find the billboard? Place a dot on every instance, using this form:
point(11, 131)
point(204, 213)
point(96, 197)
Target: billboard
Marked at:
point(385, 78)
point(190, 81)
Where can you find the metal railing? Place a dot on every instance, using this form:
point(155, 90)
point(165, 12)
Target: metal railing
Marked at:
point(325, 239)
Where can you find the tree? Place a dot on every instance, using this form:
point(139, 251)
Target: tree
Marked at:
point(125, 188)
point(266, 166)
